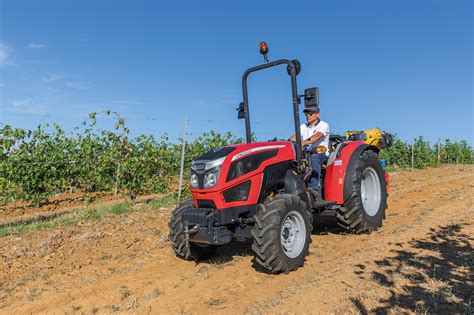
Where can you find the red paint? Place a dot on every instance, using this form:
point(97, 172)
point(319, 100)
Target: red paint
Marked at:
point(285, 153)
point(333, 182)
point(336, 173)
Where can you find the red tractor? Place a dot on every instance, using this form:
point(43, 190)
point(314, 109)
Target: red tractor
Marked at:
point(259, 191)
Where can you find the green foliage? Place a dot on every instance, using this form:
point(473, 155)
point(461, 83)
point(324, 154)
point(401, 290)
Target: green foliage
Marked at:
point(457, 152)
point(120, 208)
point(399, 154)
point(46, 161)
point(424, 155)
point(35, 164)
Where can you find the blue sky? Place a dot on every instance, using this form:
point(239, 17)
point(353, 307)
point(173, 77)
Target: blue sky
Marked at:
point(403, 66)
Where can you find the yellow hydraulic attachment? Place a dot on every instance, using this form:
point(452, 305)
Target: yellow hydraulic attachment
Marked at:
point(374, 136)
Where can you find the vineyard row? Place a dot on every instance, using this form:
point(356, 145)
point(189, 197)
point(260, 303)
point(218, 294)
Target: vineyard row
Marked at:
point(36, 164)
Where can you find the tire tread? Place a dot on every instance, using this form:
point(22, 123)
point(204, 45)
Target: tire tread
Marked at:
point(352, 215)
point(267, 225)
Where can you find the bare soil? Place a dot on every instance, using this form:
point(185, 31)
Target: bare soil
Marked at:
point(53, 204)
point(420, 261)
point(24, 212)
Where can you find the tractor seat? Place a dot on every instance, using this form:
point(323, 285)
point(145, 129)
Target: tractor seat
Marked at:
point(334, 140)
point(335, 145)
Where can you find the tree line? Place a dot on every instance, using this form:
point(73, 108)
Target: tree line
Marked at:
point(36, 164)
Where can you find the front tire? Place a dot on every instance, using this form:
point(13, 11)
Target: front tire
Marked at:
point(365, 210)
point(282, 233)
point(181, 246)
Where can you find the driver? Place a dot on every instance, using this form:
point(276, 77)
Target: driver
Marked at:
point(315, 134)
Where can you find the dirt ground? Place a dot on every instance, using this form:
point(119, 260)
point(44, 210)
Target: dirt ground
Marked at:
point(420, 261)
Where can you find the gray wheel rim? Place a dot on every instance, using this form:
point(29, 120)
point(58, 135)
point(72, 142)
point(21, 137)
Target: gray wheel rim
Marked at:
point(370, 191)
point(293, 234)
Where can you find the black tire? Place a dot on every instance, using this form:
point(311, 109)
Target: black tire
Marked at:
point(182, 247)
point(353, 216)
point(267, 233)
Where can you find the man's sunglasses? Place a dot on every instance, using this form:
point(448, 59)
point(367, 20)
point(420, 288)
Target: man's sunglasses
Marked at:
point(309, 113)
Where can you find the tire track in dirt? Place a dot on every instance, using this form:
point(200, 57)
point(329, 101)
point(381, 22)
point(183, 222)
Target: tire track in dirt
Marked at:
point(343, 274)
point(336, 270)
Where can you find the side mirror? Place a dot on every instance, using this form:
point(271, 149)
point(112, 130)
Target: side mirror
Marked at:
point(241, 111)
point(311, 97)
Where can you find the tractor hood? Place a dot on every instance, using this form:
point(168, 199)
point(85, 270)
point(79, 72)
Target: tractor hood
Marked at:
point(236, 152)
point(225, 166)
point(233, 176)
point(213, 155)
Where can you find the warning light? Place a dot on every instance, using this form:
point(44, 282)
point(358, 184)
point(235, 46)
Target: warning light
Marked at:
point(264, 51)
point(263, 48)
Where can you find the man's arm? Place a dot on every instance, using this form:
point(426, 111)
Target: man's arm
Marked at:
point(313, 139)
point(310, 140)
point(323, 131)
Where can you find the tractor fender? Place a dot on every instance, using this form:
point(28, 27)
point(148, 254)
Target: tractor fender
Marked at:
point(293, 183)
point(351, 167)
point(337, 183)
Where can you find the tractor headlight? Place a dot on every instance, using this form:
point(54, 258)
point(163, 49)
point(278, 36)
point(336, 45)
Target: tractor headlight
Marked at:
point(205, 174)
point(194, 180)
point(210, 179)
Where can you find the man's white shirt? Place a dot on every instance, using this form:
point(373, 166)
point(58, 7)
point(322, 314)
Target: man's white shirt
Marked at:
point(307, 131)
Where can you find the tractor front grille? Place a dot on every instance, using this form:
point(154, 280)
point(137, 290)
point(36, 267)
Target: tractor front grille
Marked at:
point(206, 204)
point(200, 166)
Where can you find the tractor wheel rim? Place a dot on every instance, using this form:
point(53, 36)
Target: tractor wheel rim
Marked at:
point(370, 191)
point(293, 234)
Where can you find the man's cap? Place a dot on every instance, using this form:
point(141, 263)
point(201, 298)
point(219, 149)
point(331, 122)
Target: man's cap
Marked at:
point(312, 109)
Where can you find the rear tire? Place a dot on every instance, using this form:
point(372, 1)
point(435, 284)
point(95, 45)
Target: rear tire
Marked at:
point(282, 233)
point(365, 209)
point(181, 246)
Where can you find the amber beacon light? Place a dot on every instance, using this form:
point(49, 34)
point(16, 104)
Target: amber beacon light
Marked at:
point(264, 51)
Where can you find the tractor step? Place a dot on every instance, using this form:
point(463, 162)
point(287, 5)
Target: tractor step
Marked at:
point(322, 204)
point(327, 213)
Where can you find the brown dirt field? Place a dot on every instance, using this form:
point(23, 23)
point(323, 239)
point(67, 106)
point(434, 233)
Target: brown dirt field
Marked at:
point(17, 211)
point(52, 204)
point(420, 261)
point(23, 212)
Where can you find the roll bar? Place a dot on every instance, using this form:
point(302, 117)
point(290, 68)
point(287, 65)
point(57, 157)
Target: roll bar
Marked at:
point(296, 100)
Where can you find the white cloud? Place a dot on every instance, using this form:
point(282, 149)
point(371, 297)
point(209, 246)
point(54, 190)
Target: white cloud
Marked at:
point(35, 46)
point(26, 105)
point(5, 52)
point(78, 85)
point(23, 105)
point(51, 77)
